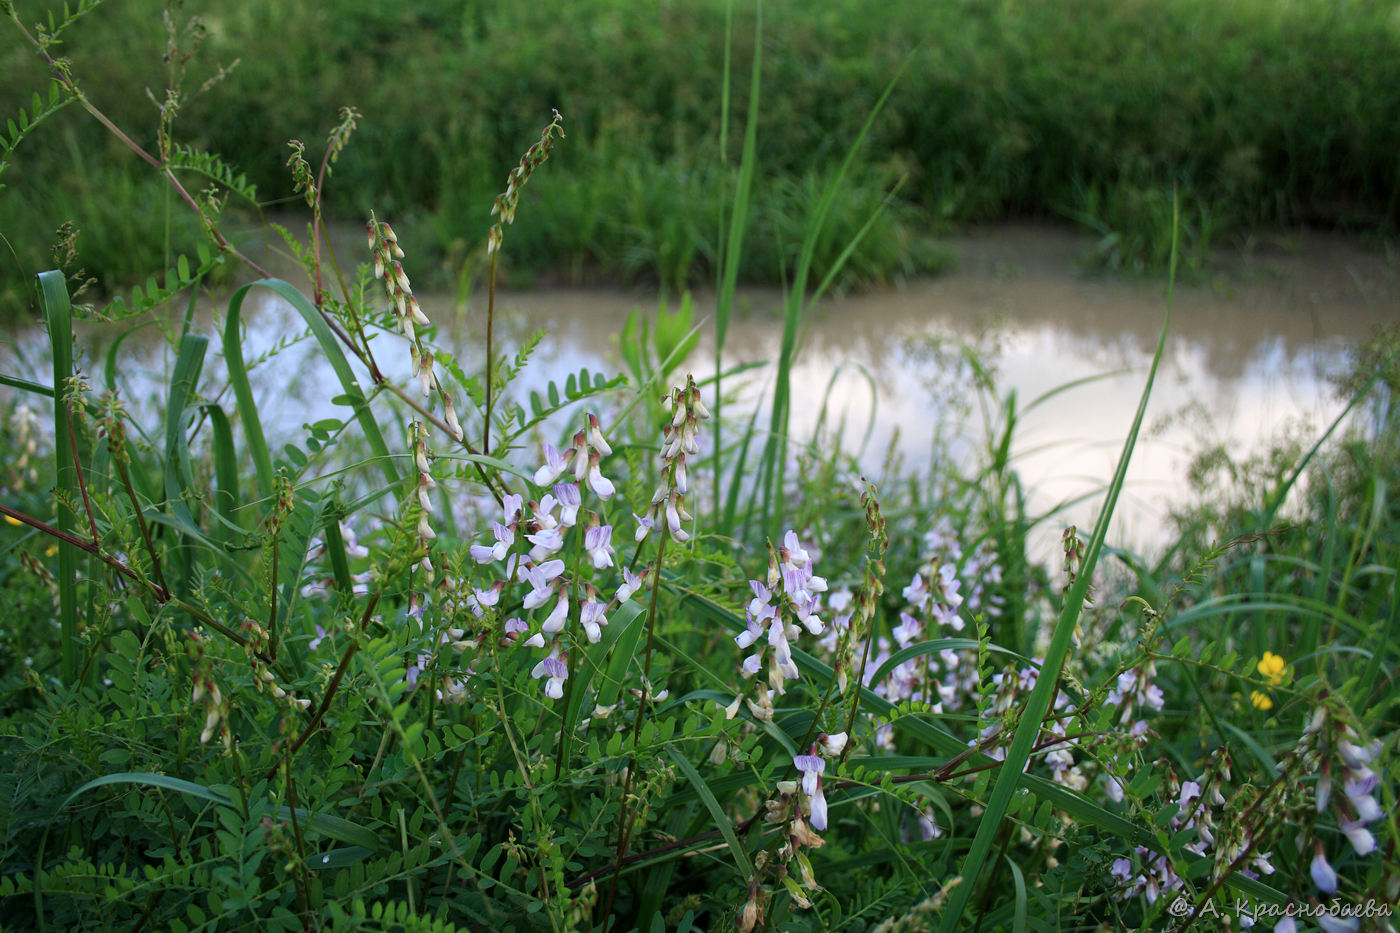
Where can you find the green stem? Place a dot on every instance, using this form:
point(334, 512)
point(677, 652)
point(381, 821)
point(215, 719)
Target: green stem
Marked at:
point(490, 354)
point(141, 524)
point(624, 836)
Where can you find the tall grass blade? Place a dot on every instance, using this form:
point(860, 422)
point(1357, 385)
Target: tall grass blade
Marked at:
point(58, 317)
point(25, 385)
point(243, 393)
point(330, 346)
point(329, 825)
point(179, 478)
point(773, 465)
point(1048, 682)
point(226, 491)
point(731, 247)
point(722, 822)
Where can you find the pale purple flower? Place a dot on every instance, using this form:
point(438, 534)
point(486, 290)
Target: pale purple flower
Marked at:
point(540, 588)
point(554, 622)
point(353, 547)
point(907, 631)
point(673, 520)
point(1367, 810)
point(581, 455)
point(1323, 874)
point(591, 617)
point(915, 592)
point(544, 511)
point(812, 767)
point(320, 637)
point(481, 600)
point(570, 500)
point(792, 551)
point(449, 414)
point(554, 464)
point(1361, 785)
point(417, 668)
point(928, 826)
point(644, 527)
point(556, 671)
point(682, 483)
point(426, 379)
point(546, 542)
point(595, 436)
point(426, 484)
point(597, 482)
point(485, 554)
point(511, 503)
point(1359, 836)
point(1357, 757)
point(598, 542)
point(631, 583)
point(516, 627)
point(748, 637)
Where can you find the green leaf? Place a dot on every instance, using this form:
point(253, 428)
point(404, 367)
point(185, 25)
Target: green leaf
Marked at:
point(163, 781)
point(58, 316)
point(1008, 776)
point(722, 822)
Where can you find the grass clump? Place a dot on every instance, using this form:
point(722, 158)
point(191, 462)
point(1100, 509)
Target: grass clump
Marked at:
point(606, 656)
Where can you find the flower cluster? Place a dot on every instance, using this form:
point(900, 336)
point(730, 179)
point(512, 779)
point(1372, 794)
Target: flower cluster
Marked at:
point(1226, 842)
point(800, 805)
point(582, 460)
point(1134, 689)
point(1274, 669)
point(791, 592)
point(504, 206)
point(1333, 750)
point(409, 316)
point(1009, 687)
point(537, 575)
point(216, 706)
point(425, 485)
point(935, 595)
point(678, 440)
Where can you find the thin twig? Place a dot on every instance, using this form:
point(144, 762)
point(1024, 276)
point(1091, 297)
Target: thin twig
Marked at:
point(141, 523)
point(334, 684)
point(78, 467)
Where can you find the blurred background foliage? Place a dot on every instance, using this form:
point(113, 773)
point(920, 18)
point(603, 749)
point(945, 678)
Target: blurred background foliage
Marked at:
point(1258, 113)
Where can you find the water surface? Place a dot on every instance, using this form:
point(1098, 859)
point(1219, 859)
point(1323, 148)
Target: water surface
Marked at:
point(1248, 353)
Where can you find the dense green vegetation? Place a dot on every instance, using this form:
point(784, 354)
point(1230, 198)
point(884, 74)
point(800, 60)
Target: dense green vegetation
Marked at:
point(1257, 113)
point(618, 654)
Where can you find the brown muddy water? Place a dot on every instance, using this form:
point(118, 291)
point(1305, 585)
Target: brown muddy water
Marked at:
point(1248, 354)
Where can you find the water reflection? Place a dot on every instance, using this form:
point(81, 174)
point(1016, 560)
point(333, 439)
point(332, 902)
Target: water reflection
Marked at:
point(1250, 349)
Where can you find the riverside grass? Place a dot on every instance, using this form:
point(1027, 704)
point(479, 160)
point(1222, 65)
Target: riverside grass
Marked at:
point(1257, 114)
point(356, 678)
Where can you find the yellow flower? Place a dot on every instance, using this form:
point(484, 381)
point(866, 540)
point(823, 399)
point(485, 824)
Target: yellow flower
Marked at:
point(1273, 667)
point(10, 519)
point(1261, 700)
point(51, 550)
